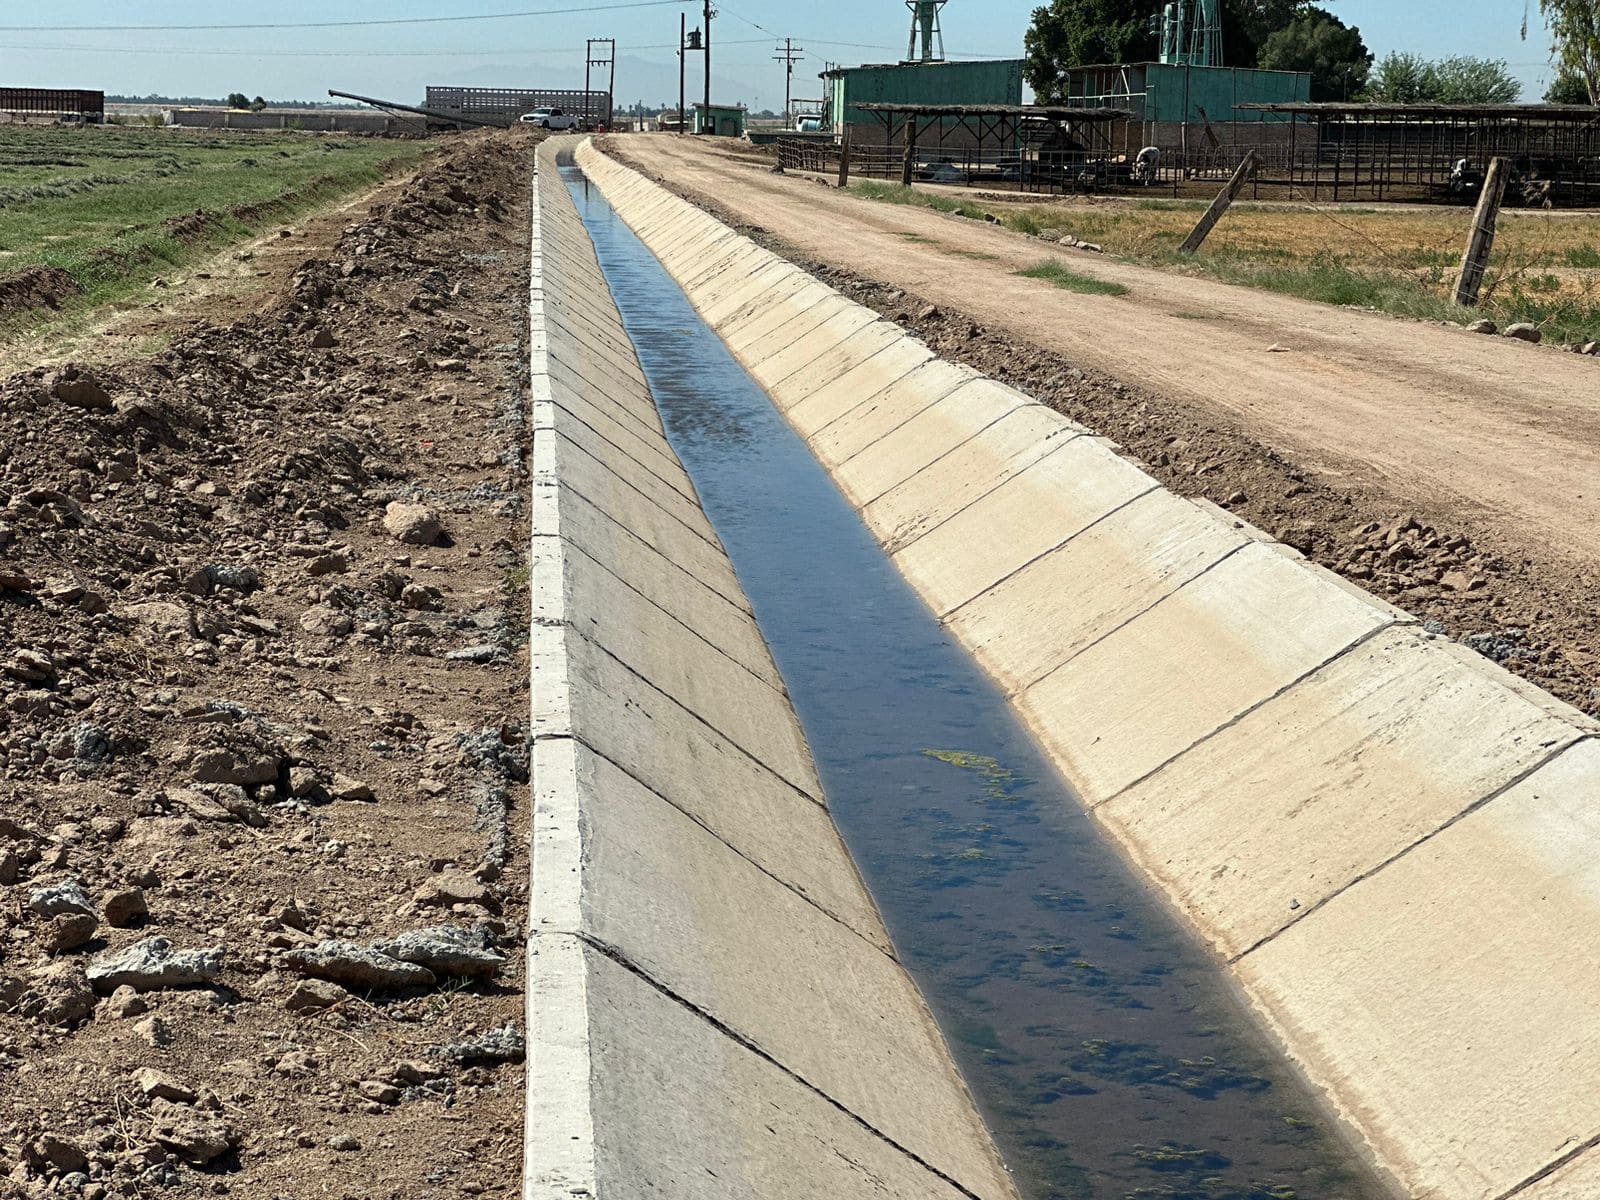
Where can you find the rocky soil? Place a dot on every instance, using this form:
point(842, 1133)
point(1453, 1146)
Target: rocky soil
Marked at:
point(1538, 619)
point(263, 696)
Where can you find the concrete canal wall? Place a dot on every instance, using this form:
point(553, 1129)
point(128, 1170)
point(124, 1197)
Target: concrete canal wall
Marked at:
point(1392, 843)
point(713, 1006)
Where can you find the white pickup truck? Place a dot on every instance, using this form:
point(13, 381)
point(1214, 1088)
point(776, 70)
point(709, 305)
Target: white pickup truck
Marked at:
point(550, 118)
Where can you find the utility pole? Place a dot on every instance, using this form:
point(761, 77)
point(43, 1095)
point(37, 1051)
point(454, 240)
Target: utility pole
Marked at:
point(610, 60)
point(787, 54)
point(705, 113)
point(688, 39)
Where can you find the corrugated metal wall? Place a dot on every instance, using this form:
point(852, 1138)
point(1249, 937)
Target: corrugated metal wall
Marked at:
point(1179, 93)
point(990, 81)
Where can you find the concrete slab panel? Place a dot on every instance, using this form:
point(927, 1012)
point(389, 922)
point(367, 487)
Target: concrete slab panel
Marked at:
point(1075, 593)
point(684, 1113)
point(828, 366)
point(1226, 641)
point(965, 474)
point(751, 711)
point(1377, 750)
point(1447, 1003)
point(655, 739)
point(829, 401)
point(824, 1003)
point(1578, 1179)
point(792, 353)
point(783, 323)
point(1034, 511)
point(886, 410)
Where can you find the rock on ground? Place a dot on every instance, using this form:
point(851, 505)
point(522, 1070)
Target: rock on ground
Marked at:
point(152, 964)
point(357, 966)
point(445, 950)
point(412, 524)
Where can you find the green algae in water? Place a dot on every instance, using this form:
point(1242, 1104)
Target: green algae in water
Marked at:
point(999, 782)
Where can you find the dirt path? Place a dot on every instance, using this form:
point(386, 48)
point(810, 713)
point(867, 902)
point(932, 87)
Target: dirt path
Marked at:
point(263, 702)
point(1484, 575)
point(1510, 433)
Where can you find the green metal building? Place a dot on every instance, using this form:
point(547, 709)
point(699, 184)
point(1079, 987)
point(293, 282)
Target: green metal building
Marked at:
point(724, 120)
point(1177, 93)
point(990, 81)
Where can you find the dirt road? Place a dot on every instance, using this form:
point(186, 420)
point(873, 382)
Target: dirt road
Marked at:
point(1508, 432)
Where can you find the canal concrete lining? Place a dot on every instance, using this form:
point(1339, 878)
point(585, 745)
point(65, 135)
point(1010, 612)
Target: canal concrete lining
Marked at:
point(714, 1007)
point(1393, 843)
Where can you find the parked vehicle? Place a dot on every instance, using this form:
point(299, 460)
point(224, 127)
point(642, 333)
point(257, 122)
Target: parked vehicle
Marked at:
point(550, 118)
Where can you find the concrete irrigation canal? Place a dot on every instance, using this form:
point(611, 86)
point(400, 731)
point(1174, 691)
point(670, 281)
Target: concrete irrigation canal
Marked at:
point(928, 804)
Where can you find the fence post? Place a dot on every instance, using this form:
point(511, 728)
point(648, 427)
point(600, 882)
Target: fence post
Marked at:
point(1220, 204)
point(909, 157)
point(1476, 257)
point(844, 157)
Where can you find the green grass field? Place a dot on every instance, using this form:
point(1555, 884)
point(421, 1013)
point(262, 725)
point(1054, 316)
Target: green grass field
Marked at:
point(114, 206)
point(1058, 273)
point(1399, 260)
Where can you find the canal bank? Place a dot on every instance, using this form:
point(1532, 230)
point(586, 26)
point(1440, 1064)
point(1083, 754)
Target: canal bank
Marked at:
point(1103, 1045)
point(1388, 840)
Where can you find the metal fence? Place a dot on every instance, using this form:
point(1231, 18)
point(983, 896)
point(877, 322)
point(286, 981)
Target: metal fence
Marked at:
point(505, 105)
point(53, 102)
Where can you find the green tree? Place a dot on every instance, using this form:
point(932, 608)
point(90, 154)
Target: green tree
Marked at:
point(1247, 24)
point(1568, 87)
point(1575, 25)
point(1077, 33)
point(1402, 78)
point(238, 100)
point(1459, 79)
point(1318, 42)
point(1462, 79)
point(257, 104)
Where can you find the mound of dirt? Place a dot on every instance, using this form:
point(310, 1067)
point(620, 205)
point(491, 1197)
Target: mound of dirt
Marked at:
point(35, 287)
point(237, 726)
point(191, 226)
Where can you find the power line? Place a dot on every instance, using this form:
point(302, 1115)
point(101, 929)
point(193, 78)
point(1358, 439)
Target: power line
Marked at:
point(486, 51)
point(538, 12)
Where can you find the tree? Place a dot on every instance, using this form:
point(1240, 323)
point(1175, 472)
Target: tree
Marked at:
point(238, 100)
point(1462, 79)
point(1575, 25)
point(1078, 33)
point(1247, 24)
point(257, 104)
point(1568, 87)
point(1318, 42)
point(1402, 78)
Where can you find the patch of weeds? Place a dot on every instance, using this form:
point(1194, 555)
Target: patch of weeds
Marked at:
point(1052, 271)
point(1583, 256)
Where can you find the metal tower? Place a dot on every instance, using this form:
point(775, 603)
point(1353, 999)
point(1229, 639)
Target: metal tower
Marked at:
point(925, 25)
point(1191, 33)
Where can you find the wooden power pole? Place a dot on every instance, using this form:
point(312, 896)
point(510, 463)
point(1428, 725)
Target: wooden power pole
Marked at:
point(1220, 205)
point(1476, 258)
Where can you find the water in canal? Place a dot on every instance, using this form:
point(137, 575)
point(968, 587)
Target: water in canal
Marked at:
point(1108, 1056)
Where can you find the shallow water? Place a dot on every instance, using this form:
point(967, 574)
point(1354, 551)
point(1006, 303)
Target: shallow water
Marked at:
point(1107, 1053)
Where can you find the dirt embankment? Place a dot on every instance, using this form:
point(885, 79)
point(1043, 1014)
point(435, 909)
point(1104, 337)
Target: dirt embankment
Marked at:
point(263, 668)
point(1536, 618)
point(35, 287)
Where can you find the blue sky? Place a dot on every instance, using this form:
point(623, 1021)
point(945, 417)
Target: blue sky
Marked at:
point(396, 61)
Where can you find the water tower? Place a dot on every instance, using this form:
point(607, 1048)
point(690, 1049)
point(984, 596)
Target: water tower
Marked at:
point(1191, 33)
point(925, 28)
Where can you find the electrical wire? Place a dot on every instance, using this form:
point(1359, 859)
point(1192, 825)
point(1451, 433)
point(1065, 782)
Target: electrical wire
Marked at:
point(487, 51)
point(539, 12)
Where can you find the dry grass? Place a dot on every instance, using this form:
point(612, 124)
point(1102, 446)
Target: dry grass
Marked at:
point(1402, 260)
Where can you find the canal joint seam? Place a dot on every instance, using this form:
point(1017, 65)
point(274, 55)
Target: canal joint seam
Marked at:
point(1143, 612)
point(617, 956)
point(1043, 554)
point(1552, 1167)
point(678, 704)
point(822, 429)
point(887, 951)
point(778, 688)
point(893, 548)
point(1259, 704)
point(564, 487)
point(563, 434)
point(1466, 812)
